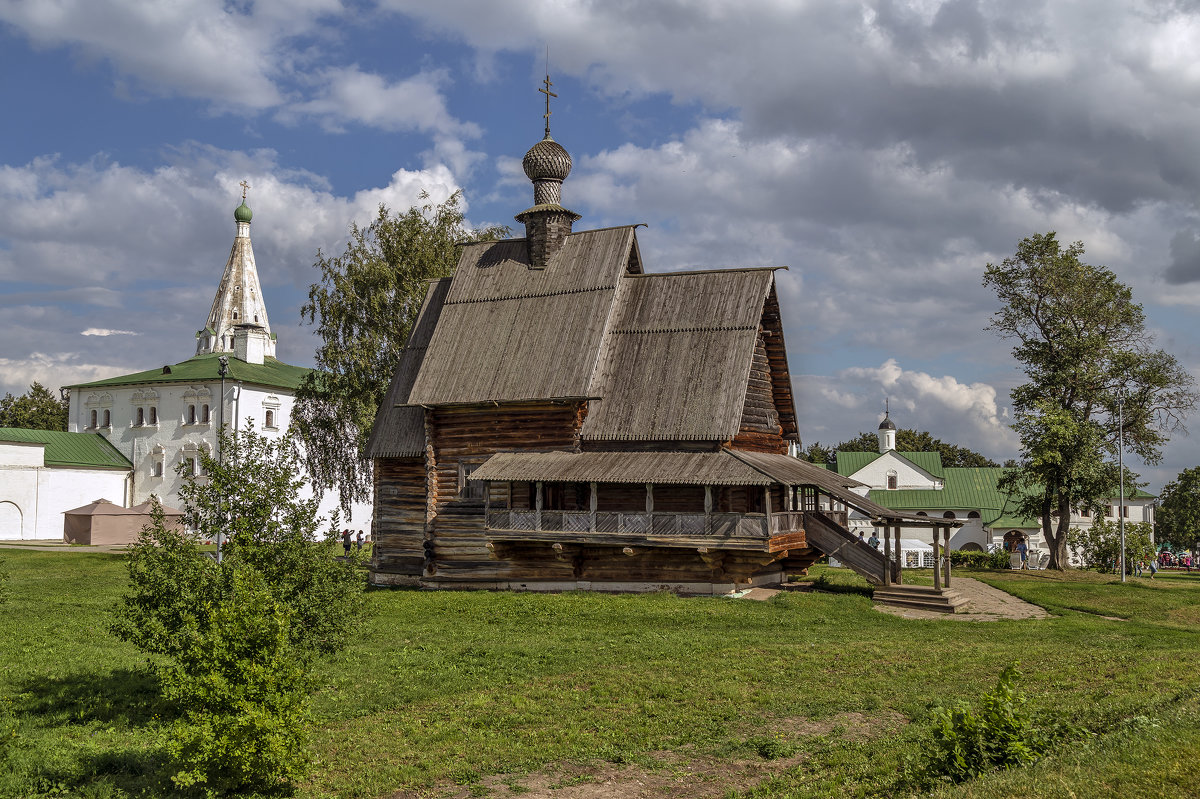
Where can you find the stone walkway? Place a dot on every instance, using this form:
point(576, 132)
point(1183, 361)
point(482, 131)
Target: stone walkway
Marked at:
point(52, 545)
point(985, 603)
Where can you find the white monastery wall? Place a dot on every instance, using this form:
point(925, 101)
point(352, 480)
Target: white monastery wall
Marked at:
point(875, 474)
point(34, 496)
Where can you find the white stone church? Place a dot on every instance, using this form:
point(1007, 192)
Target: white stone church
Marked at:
point(166, 416)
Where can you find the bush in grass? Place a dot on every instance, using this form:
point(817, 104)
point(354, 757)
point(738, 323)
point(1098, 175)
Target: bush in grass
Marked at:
point(1000, 734)
point(1099, 546)
point(979, 560)
point(240, 635)
point(243, 688)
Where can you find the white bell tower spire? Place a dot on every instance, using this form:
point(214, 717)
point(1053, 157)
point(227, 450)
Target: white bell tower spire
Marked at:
point(239, 302)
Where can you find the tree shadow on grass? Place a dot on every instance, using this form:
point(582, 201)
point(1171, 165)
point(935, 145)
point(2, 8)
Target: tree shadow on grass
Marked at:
point(125, 697)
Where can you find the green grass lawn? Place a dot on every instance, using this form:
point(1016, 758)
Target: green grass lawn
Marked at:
point(448, 689)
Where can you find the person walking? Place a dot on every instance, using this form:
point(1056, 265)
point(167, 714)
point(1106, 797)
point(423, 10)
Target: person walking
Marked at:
point(346, 540)
point(359, 540)
point(1023, 551)
point(873, 541)
point(1153, 569)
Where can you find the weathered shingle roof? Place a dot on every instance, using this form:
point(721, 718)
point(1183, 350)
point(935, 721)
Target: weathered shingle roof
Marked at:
point(508, 332)
point(399, 429)
point(677, 356)
point(87, 450)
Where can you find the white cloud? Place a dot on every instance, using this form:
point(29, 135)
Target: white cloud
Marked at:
point(102, 331)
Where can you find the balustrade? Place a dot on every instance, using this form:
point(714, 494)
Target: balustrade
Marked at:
point(752, 525)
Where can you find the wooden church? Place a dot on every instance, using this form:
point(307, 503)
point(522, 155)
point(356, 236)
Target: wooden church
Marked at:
point(561, 419)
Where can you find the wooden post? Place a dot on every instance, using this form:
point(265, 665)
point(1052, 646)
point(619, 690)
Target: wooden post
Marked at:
point(593, 502)
point(767, 507)
point(487, 505)
point(899, 556)
point(538, 505)
point(649, 497)
point(937, 564)
point(947, 535)
point(887, 557)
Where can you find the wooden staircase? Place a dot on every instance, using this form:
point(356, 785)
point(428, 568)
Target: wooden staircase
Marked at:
point(836, 541)
point(920, 597)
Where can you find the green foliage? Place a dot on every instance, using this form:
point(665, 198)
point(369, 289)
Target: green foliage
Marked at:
point(243, 692)
point(1177, 521)
point(979, 560)
point(241, 634)
point(4, 589)
point(36, 409)
point(251, 494)
point(1082, 342)
point(906, 441)
point(172, 583)
point(1099, 546)
point(1000, 734)
point(364, 308)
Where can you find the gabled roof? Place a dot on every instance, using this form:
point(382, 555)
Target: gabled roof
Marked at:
point(399, 429)
point(664, 356)
point(90, 450)
point(508, 332)
point(850, 462)
point(203, 368)
point(677, 356)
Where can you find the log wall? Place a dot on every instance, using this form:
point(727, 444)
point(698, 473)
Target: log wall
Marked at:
point(760, 429)
point(399, 525)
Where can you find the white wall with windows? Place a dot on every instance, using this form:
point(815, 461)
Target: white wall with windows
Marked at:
point(162, 426)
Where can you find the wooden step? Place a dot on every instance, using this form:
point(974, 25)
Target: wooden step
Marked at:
point(921, 597)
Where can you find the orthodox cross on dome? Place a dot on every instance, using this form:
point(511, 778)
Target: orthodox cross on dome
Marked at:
point(546, 91)
point(245, 187)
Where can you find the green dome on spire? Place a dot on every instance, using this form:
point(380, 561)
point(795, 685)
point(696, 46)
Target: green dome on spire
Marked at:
point(242, 213)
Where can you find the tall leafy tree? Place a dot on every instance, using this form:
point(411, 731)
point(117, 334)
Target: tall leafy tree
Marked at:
point(36, 409)
point(1082, 343)
point(363, 308)
point(1178, 517)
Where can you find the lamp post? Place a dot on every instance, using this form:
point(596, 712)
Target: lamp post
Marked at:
point(222, 371)
point(1121, 469)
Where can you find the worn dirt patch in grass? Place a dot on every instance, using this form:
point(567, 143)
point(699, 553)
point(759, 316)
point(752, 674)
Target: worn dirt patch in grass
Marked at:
point(671, 775)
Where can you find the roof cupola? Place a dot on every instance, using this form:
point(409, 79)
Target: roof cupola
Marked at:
point(547, 222)
point(887, 431)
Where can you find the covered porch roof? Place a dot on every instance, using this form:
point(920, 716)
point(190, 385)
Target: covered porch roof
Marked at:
point(725, 467)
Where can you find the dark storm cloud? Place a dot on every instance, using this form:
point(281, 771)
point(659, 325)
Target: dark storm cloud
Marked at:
point(1185, 258)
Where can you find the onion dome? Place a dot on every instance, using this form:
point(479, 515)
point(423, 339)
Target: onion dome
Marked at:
point(547, 160)
point(887, 424)
point(242, 213)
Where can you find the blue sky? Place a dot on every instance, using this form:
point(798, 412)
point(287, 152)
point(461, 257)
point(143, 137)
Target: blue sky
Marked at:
point(883, 151)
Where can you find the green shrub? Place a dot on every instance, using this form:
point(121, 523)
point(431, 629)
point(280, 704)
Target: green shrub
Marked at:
point(1000, 734)
point(242, 688)
point(979, 560)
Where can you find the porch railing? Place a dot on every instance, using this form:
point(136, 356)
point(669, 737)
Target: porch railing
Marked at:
point(749, 525)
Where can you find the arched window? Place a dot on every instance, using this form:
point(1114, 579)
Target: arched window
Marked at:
point(922, 513)
point(948, 515)
point(204, 413)
point(153, 414)
point(156, 469)
point(140, 418)
point(93, 424)
point(191, 414)
point(107, 418)
point(892, 481)
point(973, 514)
point(270, 420)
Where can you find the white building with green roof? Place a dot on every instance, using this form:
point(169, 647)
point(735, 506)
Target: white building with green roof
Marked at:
point(164, 417)
point(44, 472)
point(916, 482)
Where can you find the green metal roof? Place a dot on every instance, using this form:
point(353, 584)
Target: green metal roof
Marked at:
point(850, 462)
point(965, 489)
point(70, 449)
point(203, 368)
